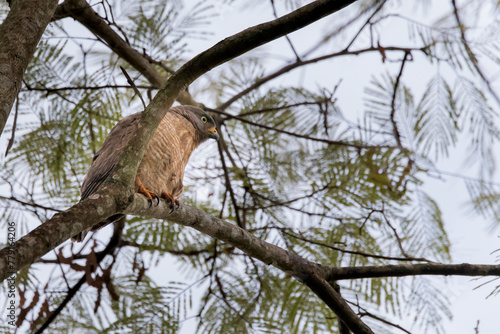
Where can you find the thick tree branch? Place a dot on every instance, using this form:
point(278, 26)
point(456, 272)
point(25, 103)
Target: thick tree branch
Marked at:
point(399, 270)
point(102, 204)
point(19, 34)
point(223, 51)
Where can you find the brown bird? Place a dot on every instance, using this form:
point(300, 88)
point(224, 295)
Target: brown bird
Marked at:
point(161, 170)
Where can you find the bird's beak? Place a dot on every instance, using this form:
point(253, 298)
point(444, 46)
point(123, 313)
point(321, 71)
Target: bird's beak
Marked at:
point(213, 133)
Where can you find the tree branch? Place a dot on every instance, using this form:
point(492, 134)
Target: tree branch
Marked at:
point(395, 129)
point(112, 244)
point(115, 196)
point(81, 11)
point(400, 270)
point(20, 33)
point(293, 134)
point(310, 273)
point(56, 230)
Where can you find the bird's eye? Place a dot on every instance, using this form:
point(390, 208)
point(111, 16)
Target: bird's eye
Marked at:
point(204, 119)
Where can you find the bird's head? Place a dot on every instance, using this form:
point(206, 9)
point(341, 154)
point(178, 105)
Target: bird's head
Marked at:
point(202, 122)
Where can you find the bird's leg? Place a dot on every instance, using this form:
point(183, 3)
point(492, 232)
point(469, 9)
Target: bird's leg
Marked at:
point(142, 190)
point(174, 202)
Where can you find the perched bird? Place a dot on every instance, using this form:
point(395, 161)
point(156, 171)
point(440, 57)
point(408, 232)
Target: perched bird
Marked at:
point(161, 170)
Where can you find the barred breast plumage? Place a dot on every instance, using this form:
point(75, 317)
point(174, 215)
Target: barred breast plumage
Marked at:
point(162, 168)
point(161, 171)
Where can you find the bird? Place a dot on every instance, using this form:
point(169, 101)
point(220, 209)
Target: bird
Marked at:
point(161, 170)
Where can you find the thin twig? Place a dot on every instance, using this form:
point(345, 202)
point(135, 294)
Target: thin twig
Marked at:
point(397, 135)
point(322, 140)
point(297, 64)
point(131, 83)
point(275, 13)
point(57, 89)
point(471, 54)
point(365, 24)
point(34, 205)
point(228, 184)
point(365, 313)
point(355, 252)
point(13, 136)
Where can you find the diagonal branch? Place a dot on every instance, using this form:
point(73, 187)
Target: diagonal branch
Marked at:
point(55, 231)
point(81, 11)
point(310, 273)
point(28, 204)
point(117, 192)
point(300, 63)
point(293, 134)
point(116, 195)
point(471, 54)
point(395, 129)
point(399, 270)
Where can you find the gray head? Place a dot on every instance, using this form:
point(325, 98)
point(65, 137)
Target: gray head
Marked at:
point(202, 122)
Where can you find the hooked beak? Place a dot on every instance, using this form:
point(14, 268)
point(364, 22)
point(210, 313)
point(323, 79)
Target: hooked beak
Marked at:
point(213, 133)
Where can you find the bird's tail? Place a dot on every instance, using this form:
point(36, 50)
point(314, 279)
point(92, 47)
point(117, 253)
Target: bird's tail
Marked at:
point(80, 236)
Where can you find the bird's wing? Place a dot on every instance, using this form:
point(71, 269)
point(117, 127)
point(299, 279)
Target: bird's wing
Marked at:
point(108, 156)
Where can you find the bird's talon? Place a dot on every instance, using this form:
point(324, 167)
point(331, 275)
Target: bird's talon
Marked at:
point(174, 202)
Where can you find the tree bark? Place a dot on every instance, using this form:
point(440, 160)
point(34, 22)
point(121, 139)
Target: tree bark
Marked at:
point(19, 35)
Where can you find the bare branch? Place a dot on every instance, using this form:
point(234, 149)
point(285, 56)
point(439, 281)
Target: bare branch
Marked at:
point(293, 134)
point(57, 89)
point(297, 64)
point(29, 204)
point(393, 101)
point(81, 11)
point(471, 54)
point(400, 270)
point(303, 270)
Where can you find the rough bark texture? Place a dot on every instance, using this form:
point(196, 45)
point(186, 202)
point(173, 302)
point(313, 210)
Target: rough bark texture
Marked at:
point(19, 35)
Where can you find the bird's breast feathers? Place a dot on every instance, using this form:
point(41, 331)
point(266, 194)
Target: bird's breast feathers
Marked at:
point(162, 168)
